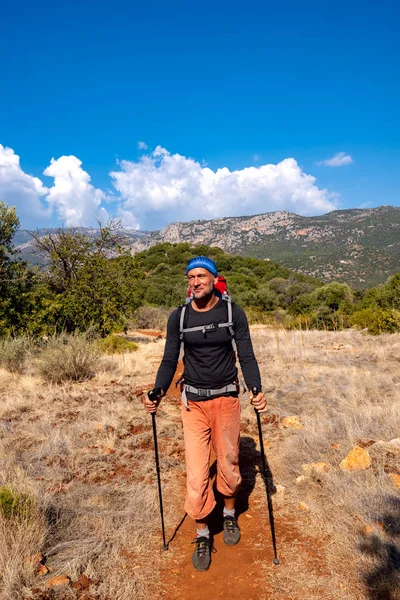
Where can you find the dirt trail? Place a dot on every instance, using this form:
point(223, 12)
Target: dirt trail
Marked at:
point(234, 571)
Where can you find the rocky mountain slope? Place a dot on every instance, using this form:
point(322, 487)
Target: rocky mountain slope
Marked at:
point(358, 246)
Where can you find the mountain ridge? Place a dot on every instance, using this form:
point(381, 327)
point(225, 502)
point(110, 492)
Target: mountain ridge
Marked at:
point(358, 246)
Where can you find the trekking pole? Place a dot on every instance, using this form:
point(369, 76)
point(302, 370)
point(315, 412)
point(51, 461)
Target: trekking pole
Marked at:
point(276, 561)
point(153, 395)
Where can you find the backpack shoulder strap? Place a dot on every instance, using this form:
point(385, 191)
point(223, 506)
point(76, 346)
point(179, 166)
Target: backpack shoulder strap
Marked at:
point(181, 321)
point(230, 321)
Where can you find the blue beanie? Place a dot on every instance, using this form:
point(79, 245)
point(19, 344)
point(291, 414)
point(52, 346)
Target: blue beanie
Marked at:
point(202, 262)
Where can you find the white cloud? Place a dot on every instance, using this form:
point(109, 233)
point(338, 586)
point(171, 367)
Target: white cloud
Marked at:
point(157, 189)
point(142, 146)
point(166, 187)
point(339, 160)
point(74, 198)
point(21, 190)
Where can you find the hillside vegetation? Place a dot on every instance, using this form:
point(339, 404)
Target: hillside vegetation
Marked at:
point(360, 247)
point(95, 283)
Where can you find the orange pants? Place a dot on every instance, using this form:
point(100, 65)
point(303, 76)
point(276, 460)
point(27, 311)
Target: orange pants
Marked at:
point(215, 422)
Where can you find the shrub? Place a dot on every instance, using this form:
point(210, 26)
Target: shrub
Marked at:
point(116, 344)
point(151, 317)
point(68, 357)
point(376, 320)
point(333, 294)
point(15, 504)
point(301, 322)
point(13, 353)
point(255, 316)
point(326, 319)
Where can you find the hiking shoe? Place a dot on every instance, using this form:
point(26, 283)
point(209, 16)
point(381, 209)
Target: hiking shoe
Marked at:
point(231, 531)
point(201, 558)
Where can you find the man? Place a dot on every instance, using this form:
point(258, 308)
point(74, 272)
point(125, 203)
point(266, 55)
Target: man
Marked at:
point(210, 407)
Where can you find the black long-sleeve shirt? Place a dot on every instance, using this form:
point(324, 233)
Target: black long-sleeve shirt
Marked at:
point(209, 359)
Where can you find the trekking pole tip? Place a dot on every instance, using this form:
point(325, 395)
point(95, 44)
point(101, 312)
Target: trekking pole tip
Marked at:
point(276, 561)
point(165, 547)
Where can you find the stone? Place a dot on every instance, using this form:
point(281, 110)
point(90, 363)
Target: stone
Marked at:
point(367, 529)
point(395, 479)
point(357, 459)
point(304, 506)
point(386, 456)
point(317, 468)
point(292, 422)
point(57, 581)
point(43, 570)
point(335, 446)
point(107, 450)
point(280, 490)
point(99, 426)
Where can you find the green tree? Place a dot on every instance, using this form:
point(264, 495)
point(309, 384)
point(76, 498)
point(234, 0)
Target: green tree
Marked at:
point(89, 282)
point(9, 223)
point(16, 280)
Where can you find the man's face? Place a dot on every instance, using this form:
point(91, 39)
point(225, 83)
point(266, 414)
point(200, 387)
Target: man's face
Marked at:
point(201, 282)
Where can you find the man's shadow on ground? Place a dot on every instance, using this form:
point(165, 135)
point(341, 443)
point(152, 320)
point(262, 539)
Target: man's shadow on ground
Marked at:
point(382, 580)
point(250, 464)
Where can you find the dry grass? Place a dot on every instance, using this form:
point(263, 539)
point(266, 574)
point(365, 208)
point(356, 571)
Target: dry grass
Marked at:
point(68, 357)
point(84, 452)
point(22, 531)
point(151, 317)
point(14, 352)
point(345, 389)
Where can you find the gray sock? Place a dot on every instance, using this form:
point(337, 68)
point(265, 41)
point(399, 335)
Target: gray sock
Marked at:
point(228, 512)
point(203, 532)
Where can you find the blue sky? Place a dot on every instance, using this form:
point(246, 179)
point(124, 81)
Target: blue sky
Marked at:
point(217, 88)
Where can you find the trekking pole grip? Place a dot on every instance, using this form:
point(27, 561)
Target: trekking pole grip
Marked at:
point(255, 391)
point(154, 394)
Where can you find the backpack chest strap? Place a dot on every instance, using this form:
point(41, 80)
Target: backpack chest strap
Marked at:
point(206, 328)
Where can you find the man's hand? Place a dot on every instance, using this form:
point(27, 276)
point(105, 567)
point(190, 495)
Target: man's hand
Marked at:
point(152, 405)
point(259, 402)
